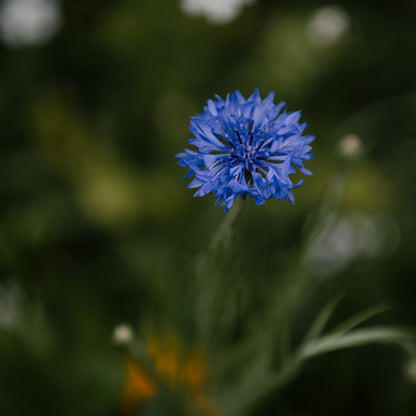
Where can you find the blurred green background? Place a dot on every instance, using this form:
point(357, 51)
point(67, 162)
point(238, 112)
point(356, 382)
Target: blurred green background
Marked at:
point(97, 226)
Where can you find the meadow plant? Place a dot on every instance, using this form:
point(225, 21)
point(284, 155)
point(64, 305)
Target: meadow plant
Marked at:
point(247, 148)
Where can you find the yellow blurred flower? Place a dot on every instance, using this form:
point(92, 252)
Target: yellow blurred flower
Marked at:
point(180, 370)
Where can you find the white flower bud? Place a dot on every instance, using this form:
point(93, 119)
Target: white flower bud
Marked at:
point(350, 147)
point(123, 334)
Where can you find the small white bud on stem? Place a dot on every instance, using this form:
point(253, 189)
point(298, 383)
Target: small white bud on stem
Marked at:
point(350, 147)
point(123, 334)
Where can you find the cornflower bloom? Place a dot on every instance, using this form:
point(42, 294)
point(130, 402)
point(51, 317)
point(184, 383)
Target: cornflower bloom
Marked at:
point(246, 147)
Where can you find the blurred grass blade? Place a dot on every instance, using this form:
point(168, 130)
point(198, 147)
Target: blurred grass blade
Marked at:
point(322, 319)
point(360, 317)
point(357, 338)
point(249, 390)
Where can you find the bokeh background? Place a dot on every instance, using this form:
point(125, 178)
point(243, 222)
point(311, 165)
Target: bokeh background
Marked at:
point(97, 226)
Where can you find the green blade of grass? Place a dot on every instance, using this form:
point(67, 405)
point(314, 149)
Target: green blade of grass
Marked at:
point(322, 319)
point(360, 317)
point(357, 338)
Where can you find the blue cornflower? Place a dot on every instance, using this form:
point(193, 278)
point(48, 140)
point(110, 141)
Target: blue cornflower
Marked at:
point(246, 147)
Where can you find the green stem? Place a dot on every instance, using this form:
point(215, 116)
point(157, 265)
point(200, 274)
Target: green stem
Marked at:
point(226, 224)
point(209, 282)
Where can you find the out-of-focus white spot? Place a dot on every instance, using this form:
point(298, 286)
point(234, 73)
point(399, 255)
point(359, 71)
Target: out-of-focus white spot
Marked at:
point(350, 147)
point(215, 11)
point(24, 317)
point(346, 238)
point(29, 22)
point(327, 25)
point(123, 334)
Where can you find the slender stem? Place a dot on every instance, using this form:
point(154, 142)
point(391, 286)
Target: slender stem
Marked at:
point(226, 224)
point(209, 282)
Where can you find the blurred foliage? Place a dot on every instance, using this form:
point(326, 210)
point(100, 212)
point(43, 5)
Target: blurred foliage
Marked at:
point(97, 226)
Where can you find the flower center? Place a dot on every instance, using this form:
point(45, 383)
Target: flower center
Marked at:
point(246, 154)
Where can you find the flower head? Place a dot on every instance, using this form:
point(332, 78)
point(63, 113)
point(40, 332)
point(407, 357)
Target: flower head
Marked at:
point(246, 147)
